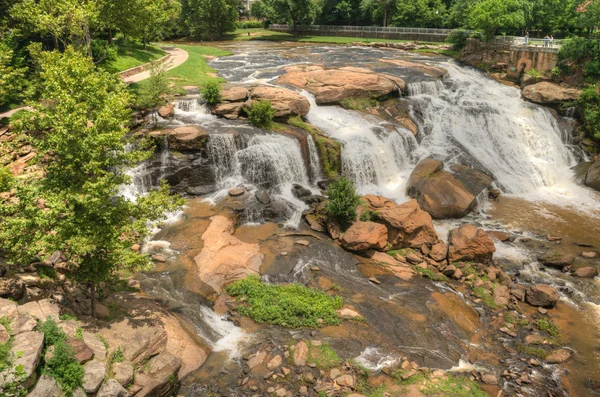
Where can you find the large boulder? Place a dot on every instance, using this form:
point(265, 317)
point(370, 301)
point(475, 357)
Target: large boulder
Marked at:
point(362, 236)
point(434, 71)
point(407, 224)
point(112, 388)
point(592, 178)
point(547, 93)
point(285, 101)
point(94, 373)
point(542, 295)
point(556, 260)
point(181, 139)
point(136, 342)
point(46, 387)
point(159, 376)
point(332, 86)
point(224, 258)
point(468, 243)
point(444, 194)
point(40, 309)
point(25, 352)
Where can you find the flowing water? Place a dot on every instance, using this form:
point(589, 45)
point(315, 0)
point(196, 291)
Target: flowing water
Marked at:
point(466, 118)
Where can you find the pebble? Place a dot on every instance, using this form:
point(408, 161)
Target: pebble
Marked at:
point(159, 258)
point(508, 332)
point(303, 242)
point(374, 280)
point(542, 310)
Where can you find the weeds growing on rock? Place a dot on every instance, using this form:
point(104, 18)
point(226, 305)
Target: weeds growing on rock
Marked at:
point(289, 305)
point(537, 352)
point(323, 356)
point(545, 324)
point(64, 367)
point(453, 386)
point(430, 274)
point(359, 103)
point(52, 332)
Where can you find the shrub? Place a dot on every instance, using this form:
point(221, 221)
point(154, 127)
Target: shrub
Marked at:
point(458, 39)
point(533, 73)
point(369, 216)
point(289, 305)
point(342, 201)
point(580, 57)
point(52, 332)
point(261, 114)
point(64, 367)
point(151, 94)
point(102, 51)
point(212, 93)
point(588, 106)
point(6, 179)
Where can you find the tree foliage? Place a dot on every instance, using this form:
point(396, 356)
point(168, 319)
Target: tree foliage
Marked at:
point(12, 75)
point(490, 15)
point(82, 148)
point(208, 19)
point(342, 201)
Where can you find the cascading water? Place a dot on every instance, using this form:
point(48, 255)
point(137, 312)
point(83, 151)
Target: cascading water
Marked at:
point(315, 163)
point(476, 120)
point(377, 157)
point(425, 87)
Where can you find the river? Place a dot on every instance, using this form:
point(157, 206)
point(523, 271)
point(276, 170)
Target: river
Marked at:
point(466, 118)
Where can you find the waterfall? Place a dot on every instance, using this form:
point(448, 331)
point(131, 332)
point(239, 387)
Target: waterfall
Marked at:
point(425, 88)
point(315, 170)
point(271, 160)
point(164, 157)
point(377, 157)
point(222, 150)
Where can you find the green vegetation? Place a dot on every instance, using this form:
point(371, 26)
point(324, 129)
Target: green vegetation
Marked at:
point(430, 274)
point(342, 202)
point(130, 55)
point(261, 114)
point(588, 106)
point(47, 273)
point(419, 377)
point(330, 150)
point(64, 367)
point(537, 352)
point(155, 88)
point(52, 332)
point(454, 386)
point(209, 19)
point(545, 324)
point(211, 92)
point(6, 179)
point(83, 121)
point(5, 355)
point(289, 305)
point(78, 333)
point(369, 216)
point(117, 356)
point(486, 297)
point(458, 39)
point(12, 75)
point(194, 71)
point(323, 356)
point(533, 73)
point(402, 252)
point(359, 103)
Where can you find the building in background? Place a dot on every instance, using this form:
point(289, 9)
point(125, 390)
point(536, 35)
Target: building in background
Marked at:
point(248, 3)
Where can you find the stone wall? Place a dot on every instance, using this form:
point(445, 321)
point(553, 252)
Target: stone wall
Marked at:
point(523, 59)
point(139, 69)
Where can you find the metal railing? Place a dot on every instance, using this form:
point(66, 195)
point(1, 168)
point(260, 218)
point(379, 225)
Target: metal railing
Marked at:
point(515, 41)
point(361, 29)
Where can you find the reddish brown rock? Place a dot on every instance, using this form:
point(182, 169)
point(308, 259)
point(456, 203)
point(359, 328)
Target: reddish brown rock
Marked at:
point(362, 236)
point(439, 252)
point(408, 226)
point(334, 85)
point(468, 243)
point(166, 111)
point(287, 102)
point(234, 94)
point(224, 258)
point(189, 137)
point(556, 260)
point(434, 71)
point(586, 272)
point(550, 93)
point(559, 356)
point(500, 236)
point(83, 353)
point(542, 295)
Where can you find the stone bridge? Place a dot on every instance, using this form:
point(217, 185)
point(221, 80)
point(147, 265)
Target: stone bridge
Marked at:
point(523, 59)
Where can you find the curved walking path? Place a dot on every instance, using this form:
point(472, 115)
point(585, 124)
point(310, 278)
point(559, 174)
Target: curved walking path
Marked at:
point(178, 57)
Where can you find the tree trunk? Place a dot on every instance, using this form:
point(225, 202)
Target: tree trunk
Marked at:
point(384, 16)
point(55, 43)
point(110, 36)
point(144, 41)
point(93, 293)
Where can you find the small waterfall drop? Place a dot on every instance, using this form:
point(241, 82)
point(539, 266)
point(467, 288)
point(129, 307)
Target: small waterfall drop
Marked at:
point(378, 158)
point(315, 170)
point(425, 88)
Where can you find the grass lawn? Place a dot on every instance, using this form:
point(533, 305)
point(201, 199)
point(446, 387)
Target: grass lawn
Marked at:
point(132, 55)
point(195, 71)
point(264, 34)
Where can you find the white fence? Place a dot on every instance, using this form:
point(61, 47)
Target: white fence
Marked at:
point(361, 29)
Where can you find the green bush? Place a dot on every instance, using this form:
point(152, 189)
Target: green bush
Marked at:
point(261, 114)
point(212, 92)
point(64, 367)
point(580, 57)
point(52, 332)
point(533, 73)
point(342, 201)
point(6, 179)
point(588, 106)
point(458, 39)
point(249, 25)
point(289, 305)
point(102, 51)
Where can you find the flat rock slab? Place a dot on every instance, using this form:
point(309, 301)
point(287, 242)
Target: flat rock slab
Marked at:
point(23, 323)
point(46, 387)
point(8, 309)
point(95, 371)
point(40, 309)
point(123, 372)
point(157, 376)
point(26, 351)
point(97, 346)
point(111, 388)
point(137, 343)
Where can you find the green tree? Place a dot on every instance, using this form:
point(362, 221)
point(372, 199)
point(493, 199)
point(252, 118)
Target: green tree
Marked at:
point(147, 19)
point(490, 15)
point(420, 13)
point(381, 11)
point(67, 21)
point(210, 18)
point(83, 149)
point(12, 75)
point(153, 91)
point(296, 12)
point(340, 12)
point(342, 201)
point(259, 10)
